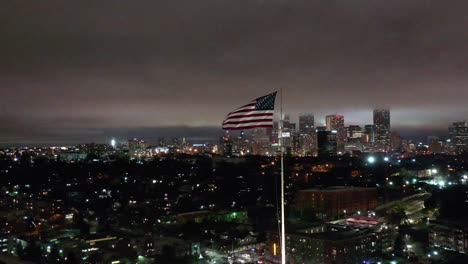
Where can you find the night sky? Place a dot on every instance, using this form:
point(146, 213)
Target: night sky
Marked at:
point(74, 71)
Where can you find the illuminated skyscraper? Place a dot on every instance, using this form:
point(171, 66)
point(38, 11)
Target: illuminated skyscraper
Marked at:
point(274, 132)
point(368, 136)
point(395, 141)
point(137, 146)
point(459, 136)
point(382, 135)
point(354, 134)
point(306, 124)
point(326, 143)
point(260, 142)
point(336, 123)
point(435, 144)
point(226, 142)
point(306, 134)
point(286, 123)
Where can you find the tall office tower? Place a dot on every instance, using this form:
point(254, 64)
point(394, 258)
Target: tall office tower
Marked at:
point(336, 123)
point(368, 136)
point(287, 133)
point(136, 146)
point(459, 136)
point(241, 143)
point(435, 144)
point(274, 133)
point(354, 134)
point(395, 141)
point(286, 123)
point(382, 129)
point(306, 134)
point(260, 142)
point(296, 147)
point(306, 144)
point(226, 142)
point(306, 124)
point(317, 129)
point(326, 143)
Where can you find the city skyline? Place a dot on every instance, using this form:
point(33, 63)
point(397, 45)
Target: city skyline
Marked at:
point(231, 132)
point(77, 71)
point(199, 134)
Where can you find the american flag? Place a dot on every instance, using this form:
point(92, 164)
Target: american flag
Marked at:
point(256, 114)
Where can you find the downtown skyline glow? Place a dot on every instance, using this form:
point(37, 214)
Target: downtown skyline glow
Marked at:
point(78, 70)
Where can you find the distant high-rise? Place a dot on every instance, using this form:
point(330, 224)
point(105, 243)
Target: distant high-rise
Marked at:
point(136, 146)
point(226, 142)
point(286, 123)
point(261, 140)
point(287, 132)
point(274, 132)
point(435, 144)
point(326, 143)
point(306, 124)
point(336, 123)
point(306, 134)
point(354, 134)
point(368, 136)
point(459, 136)
point(395, 141)
point(382, 132)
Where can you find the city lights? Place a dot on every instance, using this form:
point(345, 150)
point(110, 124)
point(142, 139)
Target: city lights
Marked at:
point(253, 132)
point(371, 159)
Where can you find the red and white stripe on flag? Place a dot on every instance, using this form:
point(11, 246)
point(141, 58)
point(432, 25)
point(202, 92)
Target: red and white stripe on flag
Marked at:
point(256, 114)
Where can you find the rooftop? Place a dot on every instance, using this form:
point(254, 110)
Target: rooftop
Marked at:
point(335, 235)
point(337, 189)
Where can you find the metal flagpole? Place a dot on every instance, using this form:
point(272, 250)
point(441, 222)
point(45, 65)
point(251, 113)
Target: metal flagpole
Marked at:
point(283, 232)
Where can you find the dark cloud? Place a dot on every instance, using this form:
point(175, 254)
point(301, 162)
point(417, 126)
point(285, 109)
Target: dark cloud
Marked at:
point(85, 66)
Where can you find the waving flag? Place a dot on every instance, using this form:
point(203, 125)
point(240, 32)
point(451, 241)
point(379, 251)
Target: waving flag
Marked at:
point(256, 114)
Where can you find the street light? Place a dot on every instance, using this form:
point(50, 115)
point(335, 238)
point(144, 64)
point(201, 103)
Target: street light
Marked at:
point(371, 160)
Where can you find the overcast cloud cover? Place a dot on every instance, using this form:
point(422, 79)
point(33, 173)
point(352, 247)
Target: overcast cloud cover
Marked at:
point(73, 71)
